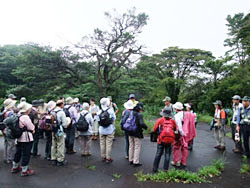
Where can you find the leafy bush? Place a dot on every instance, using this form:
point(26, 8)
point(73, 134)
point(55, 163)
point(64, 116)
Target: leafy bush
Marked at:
point(245, 167)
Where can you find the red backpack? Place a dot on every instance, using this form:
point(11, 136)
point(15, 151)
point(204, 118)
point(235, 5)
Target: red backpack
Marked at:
point(167, 135)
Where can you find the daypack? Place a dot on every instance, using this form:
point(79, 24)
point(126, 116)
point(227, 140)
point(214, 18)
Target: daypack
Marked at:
point(66, 111)
point(13, 129)
point(130, 124)
point(51, 123)
point(167, 135)
point(82, 125)
point(105, 119)
point(2, 125)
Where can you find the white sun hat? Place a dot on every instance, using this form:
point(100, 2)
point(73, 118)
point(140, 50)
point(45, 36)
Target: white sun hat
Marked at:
point(129, 105)
point(24, 107)
point(178, 106)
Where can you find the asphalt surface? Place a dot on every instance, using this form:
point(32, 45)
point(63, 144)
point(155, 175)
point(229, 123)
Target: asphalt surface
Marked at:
point(77, 173)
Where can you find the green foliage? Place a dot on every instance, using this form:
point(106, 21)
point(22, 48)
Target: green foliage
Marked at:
point(181, 176)
point(204, 118)
point(116, 175)
point(245, 167)
point(91, 168)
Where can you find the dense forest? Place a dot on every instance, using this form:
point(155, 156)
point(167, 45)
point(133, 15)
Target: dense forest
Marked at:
point(113, 62)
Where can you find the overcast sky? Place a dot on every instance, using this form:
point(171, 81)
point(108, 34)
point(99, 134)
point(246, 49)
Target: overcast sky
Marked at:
point(183, 23)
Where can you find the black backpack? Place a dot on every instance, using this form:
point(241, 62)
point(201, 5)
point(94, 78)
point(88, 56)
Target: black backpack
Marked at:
point(82, 125)
point(66, 111)
point(105, 119)
point(13, 129)
point(2, 125)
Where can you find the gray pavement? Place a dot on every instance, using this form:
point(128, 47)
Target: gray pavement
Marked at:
point(76, 173)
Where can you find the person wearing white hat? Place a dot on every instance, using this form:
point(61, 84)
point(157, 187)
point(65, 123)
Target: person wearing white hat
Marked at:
point(9, 143)
point(71, 113)
point(106, 118)
point(179, 116)
point(25, 142)
point(129, 106)
point(85, 137)
point(236, 106)
point(58, 141)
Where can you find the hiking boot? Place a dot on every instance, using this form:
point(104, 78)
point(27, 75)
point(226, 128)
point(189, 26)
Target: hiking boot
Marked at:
point(154, 171)
point(222, 148)
point(182, 166)
point(131, 163)
point(217, 147)
point(137, 165)
point(63, 163)
point(104, 159)
point(15, 170)
point(54, 162)
point(27, 173)
point(177, 164)
point(190, 148)
point(108, 161)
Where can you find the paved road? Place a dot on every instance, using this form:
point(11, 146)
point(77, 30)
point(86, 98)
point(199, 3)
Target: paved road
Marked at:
point(76, 174)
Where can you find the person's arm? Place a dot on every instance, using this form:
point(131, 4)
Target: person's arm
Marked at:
point(90, 119)
point(30, 126)
point(63, 119)
point(141, 121)
point(179, 124)
point(157, 124)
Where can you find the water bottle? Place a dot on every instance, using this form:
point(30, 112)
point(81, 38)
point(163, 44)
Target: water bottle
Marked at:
point(237, 137)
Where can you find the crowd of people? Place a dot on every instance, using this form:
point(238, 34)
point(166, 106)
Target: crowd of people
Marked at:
point(64, 120)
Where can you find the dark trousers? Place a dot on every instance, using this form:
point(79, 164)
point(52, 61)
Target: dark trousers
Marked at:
point(70, 138)
point(126, 143)
point(48, 135)
point(23, 150)
point(238, 145)
point(246, 135)
point(36, 142)
point(160, 150)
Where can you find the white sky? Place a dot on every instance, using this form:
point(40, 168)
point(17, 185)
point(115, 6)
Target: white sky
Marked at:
point(183, 23)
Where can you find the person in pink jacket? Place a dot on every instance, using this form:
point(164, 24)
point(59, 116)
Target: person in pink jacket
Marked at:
point(24, 143)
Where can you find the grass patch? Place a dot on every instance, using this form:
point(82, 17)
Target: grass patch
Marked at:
point(92, 167)
point(229, 135)
point(117, 176)
point(245, 167)
point(204, 118)
point(181, 176)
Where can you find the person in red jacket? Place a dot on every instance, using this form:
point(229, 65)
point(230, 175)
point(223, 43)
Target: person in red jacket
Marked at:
point(166, 128)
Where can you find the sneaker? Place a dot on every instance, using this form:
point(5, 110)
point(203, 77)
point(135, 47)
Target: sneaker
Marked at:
point(126, 157)
point(27, 173)
point(63, 163)
point(108, 161)
point(104, 159)
point(137, 165)
point(178, 164)
point(15, 170)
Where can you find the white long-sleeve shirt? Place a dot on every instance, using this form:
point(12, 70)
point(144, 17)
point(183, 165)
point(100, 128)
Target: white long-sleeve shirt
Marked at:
point(179, 118)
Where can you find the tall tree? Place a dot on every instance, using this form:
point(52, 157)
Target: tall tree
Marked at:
point(114, 49)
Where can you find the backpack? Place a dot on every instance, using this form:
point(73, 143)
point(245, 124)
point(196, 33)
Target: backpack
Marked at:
point(51, 123)
point(167, 135)
point(105, 119)
point(2, 125)
point(227, 112)
point(66, 111)
point(130, 124)
point(13, 129)
point(82, 125)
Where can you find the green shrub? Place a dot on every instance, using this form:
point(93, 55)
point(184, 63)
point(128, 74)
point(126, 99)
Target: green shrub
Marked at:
point(204, 118)
point(245, 167)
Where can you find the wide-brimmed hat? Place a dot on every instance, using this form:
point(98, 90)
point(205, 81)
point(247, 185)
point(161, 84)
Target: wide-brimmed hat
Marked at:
point(23, 99)
point(59, 102)
point(9, 103)
point(129, 105)
point(236, 97)
point(105, 102)
point(69, 100)
point(110, 98)
point(166, 99)
point(131, 96)
point(24, 107)
point(218, 102)
point(11, 96)
point(246, 98)
point(85, 106)
point(166, 112)
point(187, 105)
point(51, 105)
point(178, 106)
point(76, 100)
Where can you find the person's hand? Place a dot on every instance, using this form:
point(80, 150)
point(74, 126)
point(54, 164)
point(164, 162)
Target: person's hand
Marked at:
point(33, 132)
point(238, 128)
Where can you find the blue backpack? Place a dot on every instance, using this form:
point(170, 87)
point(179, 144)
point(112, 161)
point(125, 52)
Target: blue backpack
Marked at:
point(130, 124)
